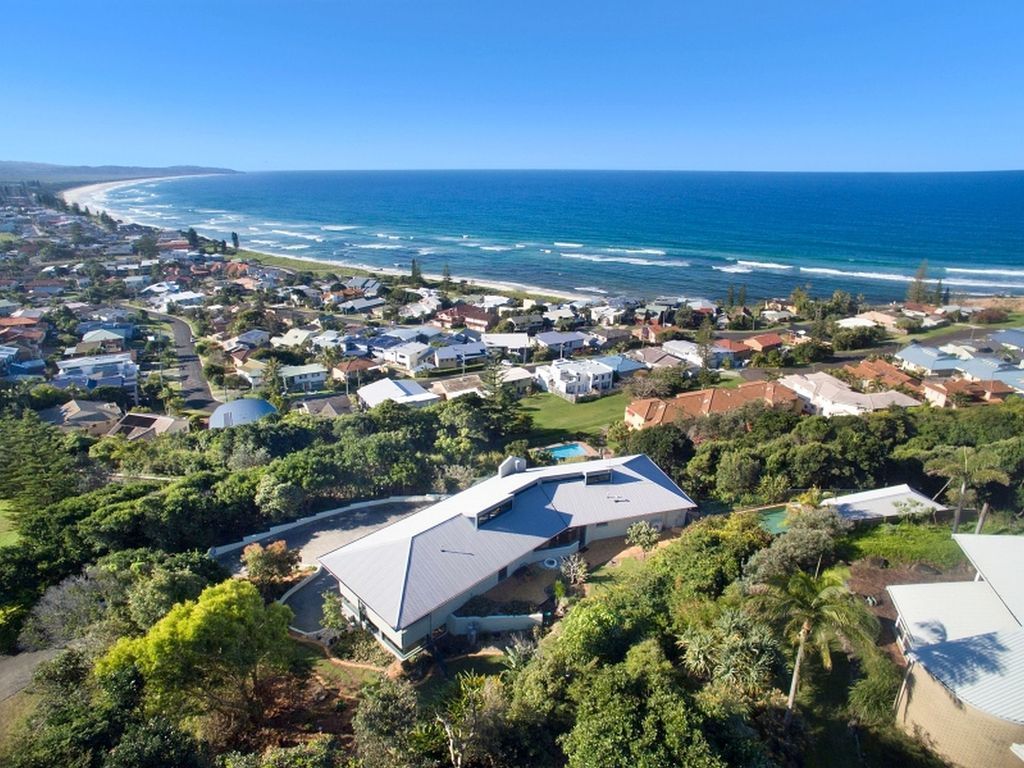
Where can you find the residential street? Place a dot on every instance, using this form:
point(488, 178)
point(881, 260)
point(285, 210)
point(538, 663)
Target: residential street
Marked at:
point(195, 390)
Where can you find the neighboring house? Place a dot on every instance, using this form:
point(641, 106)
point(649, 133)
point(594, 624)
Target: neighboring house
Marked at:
point(926, 361)
point(449, 389)
point(254, 339)
point(354, 369)
point(454, 355)
point(952, 393)
point(963, 691)
point(252, 371)
point(763, 342)
point(878, 373)
point(654, 412)
point(622, 366)
point(517, 380)
point(516, 344)
point(474, 318)
point(881, 504)
point(146, 426)
point(361, 305)
point(562, 342)
point(981, 368)
point(891, 323)
point(404, 581)
point(574, 378)
point(1011, 338)
point(689, 352)
point(526, 323)
point(304, 378)
point(87, 416)
point(740, 351)
point(182, 300)
point(239, 412)
point(609, 337)
point(826, 395)
point(325, 407)
point(295, 337)
point(117, 370)
point(403, 391)
point(655, 357)
point(410, 355)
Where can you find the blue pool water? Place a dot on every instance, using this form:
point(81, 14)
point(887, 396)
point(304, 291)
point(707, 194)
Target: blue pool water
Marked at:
point(567, 451)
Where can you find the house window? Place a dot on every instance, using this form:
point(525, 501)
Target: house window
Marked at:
point(601, 525)
point(489, 514)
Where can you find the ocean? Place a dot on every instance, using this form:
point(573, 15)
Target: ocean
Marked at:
point(638, 234)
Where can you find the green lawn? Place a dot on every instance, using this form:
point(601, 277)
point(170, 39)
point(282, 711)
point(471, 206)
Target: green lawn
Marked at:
point(7, 237)
point(555, 419)
point(906, 543)
point(7, 533)
point(1014, 320)
point(350, 679)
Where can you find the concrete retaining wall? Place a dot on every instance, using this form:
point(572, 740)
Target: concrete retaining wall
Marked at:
point(277, 530)
point(459, 625)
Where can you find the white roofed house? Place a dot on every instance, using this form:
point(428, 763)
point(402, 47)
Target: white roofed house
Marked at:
point(882, 504)
point(294, 337)
point(826, 395)
point(963, 693)
point(404, 391)
point(305, 378)
point(409, 356)
point(404, 582)
point(572, 379)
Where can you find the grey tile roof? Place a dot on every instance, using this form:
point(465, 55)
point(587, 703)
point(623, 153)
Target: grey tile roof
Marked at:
point(416, 565)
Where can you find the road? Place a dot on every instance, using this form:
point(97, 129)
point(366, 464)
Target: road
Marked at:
point(195, 390)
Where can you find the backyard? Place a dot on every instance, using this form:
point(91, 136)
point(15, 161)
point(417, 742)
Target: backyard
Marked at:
point(555, 419)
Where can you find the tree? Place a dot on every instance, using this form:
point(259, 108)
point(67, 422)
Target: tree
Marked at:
point(193, 239)
point(967, 470)
point(705, 340)
point(741, 296)
point(384, 722)
point(473, 722)
point(272, 386)
point(415, 273)
point(215, 654)
point(644, 535)
point(917, 292)
point(265, 565)
point(818, 613)
point(234, 240)
point(446, 277)
point(574, 569)
point(277, 500)
point(809, 540)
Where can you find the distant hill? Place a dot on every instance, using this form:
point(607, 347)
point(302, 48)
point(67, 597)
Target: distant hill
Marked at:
point(14, 170)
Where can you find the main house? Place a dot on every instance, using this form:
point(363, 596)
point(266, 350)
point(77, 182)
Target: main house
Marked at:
point(404, 581)
point(964, 644)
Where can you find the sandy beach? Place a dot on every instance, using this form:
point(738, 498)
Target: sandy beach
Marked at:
point(93, 197)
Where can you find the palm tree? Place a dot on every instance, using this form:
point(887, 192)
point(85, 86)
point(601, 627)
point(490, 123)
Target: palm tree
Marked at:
point(967, 472)
point(820, 613)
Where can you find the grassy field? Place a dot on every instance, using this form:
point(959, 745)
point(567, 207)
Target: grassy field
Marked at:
point(1014, 320)
point(13, 711)
point(7, 237)
point(555, 419)
point(906, 543)
point(349, 679)
point(7, 533)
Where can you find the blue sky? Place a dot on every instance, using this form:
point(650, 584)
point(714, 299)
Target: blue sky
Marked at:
point(815, 85)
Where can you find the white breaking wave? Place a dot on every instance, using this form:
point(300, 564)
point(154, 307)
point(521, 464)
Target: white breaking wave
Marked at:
point(339, 227)
point(999, 272)
point(639, 251)
point(891, 277)
point(567, 245)
point(265, 242)
point(294, 247)
point(386, 236)
point(624, 260)
point(495, 248)
point(763, 264)
point(590, 289)
point(737, 270)
point(304, 236)
point(379, 247)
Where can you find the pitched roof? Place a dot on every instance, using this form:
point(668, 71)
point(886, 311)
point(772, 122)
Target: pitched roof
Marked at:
point(414, 566)
point(998, 559)
point(892, 501)
point(655, 411)
point(935, 613)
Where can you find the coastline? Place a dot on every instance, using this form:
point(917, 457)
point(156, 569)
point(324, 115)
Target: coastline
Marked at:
point(91, 196)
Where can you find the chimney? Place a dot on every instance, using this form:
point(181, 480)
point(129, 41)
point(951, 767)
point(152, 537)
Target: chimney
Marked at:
point(511, 465)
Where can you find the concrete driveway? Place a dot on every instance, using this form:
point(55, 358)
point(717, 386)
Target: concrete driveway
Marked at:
point(318, 539)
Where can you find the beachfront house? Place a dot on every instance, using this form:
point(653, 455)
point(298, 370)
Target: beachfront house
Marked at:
point(405, 581)
point(572, 379)
point(963, 642)
point(825, 395)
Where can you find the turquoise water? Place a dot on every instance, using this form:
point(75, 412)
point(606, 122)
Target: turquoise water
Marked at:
point(773, 520)
point(624, 233)
point(567, 451)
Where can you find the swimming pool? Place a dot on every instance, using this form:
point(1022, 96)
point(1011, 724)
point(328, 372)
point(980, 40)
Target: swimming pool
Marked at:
point(567, 451)
point(773, 520)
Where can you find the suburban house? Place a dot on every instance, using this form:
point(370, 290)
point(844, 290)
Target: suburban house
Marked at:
point(474, 318)
point(294, 337)
point(953, 393)
point(449, 389)
point(517, 344)
point(882, 504)
point(353, 369)
point(118, 370)
point(410, 355)
point(963, 692)
point(825, 395)
point(304, 378)
point(146, 426)
point(403, 582)
point(622, 366)
point(1010, 338)
point(453, 355)
point(690, 352)
point(404, 391)
point(517, 380)
point(574, 378)
point(926, 361)
point(325, 407)
point(562, 342)
point(91, 417)
point(654, 412)
point(878, 373)
point(763, 342)
point(655, 357)
point(251, 371)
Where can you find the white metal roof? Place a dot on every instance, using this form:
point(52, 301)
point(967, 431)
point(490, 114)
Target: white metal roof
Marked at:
point(418, 564)
point(1000, 561)
point(935, 613)
point(985, 671)
point(401, 391)
point(892, 501)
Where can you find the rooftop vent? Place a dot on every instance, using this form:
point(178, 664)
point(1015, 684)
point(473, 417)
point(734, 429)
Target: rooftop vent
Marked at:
point(511, 466)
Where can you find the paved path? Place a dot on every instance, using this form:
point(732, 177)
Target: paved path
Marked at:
point(318, 539)
point(16, 671)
